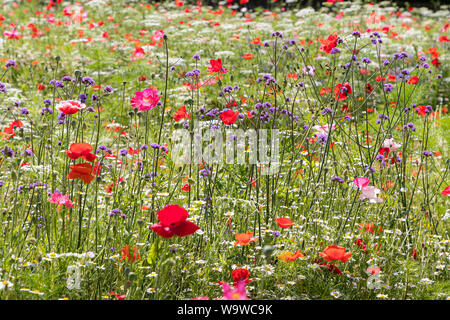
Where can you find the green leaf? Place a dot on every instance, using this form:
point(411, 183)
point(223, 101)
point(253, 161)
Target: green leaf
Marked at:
point(153, 253)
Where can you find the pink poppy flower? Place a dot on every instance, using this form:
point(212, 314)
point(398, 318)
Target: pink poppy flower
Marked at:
point(145, 100)
point(361, 182)
point(11, 34)
point(58, 198)
point(391, 144)
point(446, 191)
point(158, 35)
point(325, 129)
point(239, 293)
point(371, 193)
point(373, 270)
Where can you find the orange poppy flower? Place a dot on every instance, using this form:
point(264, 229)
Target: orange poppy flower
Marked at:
point(335, 252)
point(181, 114)
point(288, 256)
point(284, 222)
point(369, 227)
point(244, 238)
point(256, 41)
point(82, 171)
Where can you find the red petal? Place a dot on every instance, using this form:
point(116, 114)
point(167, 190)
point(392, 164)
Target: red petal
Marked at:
point(229, 117)
point(81, 148)
point(185, 228)
point(89, 157)
point(73, 155)
point(162, 231)
point(172, 215)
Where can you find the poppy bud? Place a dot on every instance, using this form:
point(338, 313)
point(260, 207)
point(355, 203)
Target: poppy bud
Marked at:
point(267, 251)
point(132, 276)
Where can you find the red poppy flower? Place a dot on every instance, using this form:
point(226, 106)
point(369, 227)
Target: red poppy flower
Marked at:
point(172, 221)
point(413, 80)
point(244, 238)
point(248, 56)
point(240, 274)
point(96, 170)
point(126, 254)
point(341, 94)
point(81, 150)
point(436, 62)
point(70, 106)
point(181, 114)
point(229, 117)
point(421, 110)
point(231, 104)
point(360, 243)
point(284, 222)
point(82, 171)
point(331, 267)
point(446, 191)
point(10, 129)
point(324, 91)
point(334, 252)
point(384, 152)
point(328, 44)
point(138, 52)
point(216, 66)
point(185, 187)
point(119, 297)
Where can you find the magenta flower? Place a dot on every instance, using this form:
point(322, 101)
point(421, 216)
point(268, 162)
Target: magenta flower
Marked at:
point(238, 293)
point(361, 182)
point(367, 192)
point(58, 198)
point(145, 100)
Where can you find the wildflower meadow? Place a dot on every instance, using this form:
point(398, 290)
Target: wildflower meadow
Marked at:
point(178, 150)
